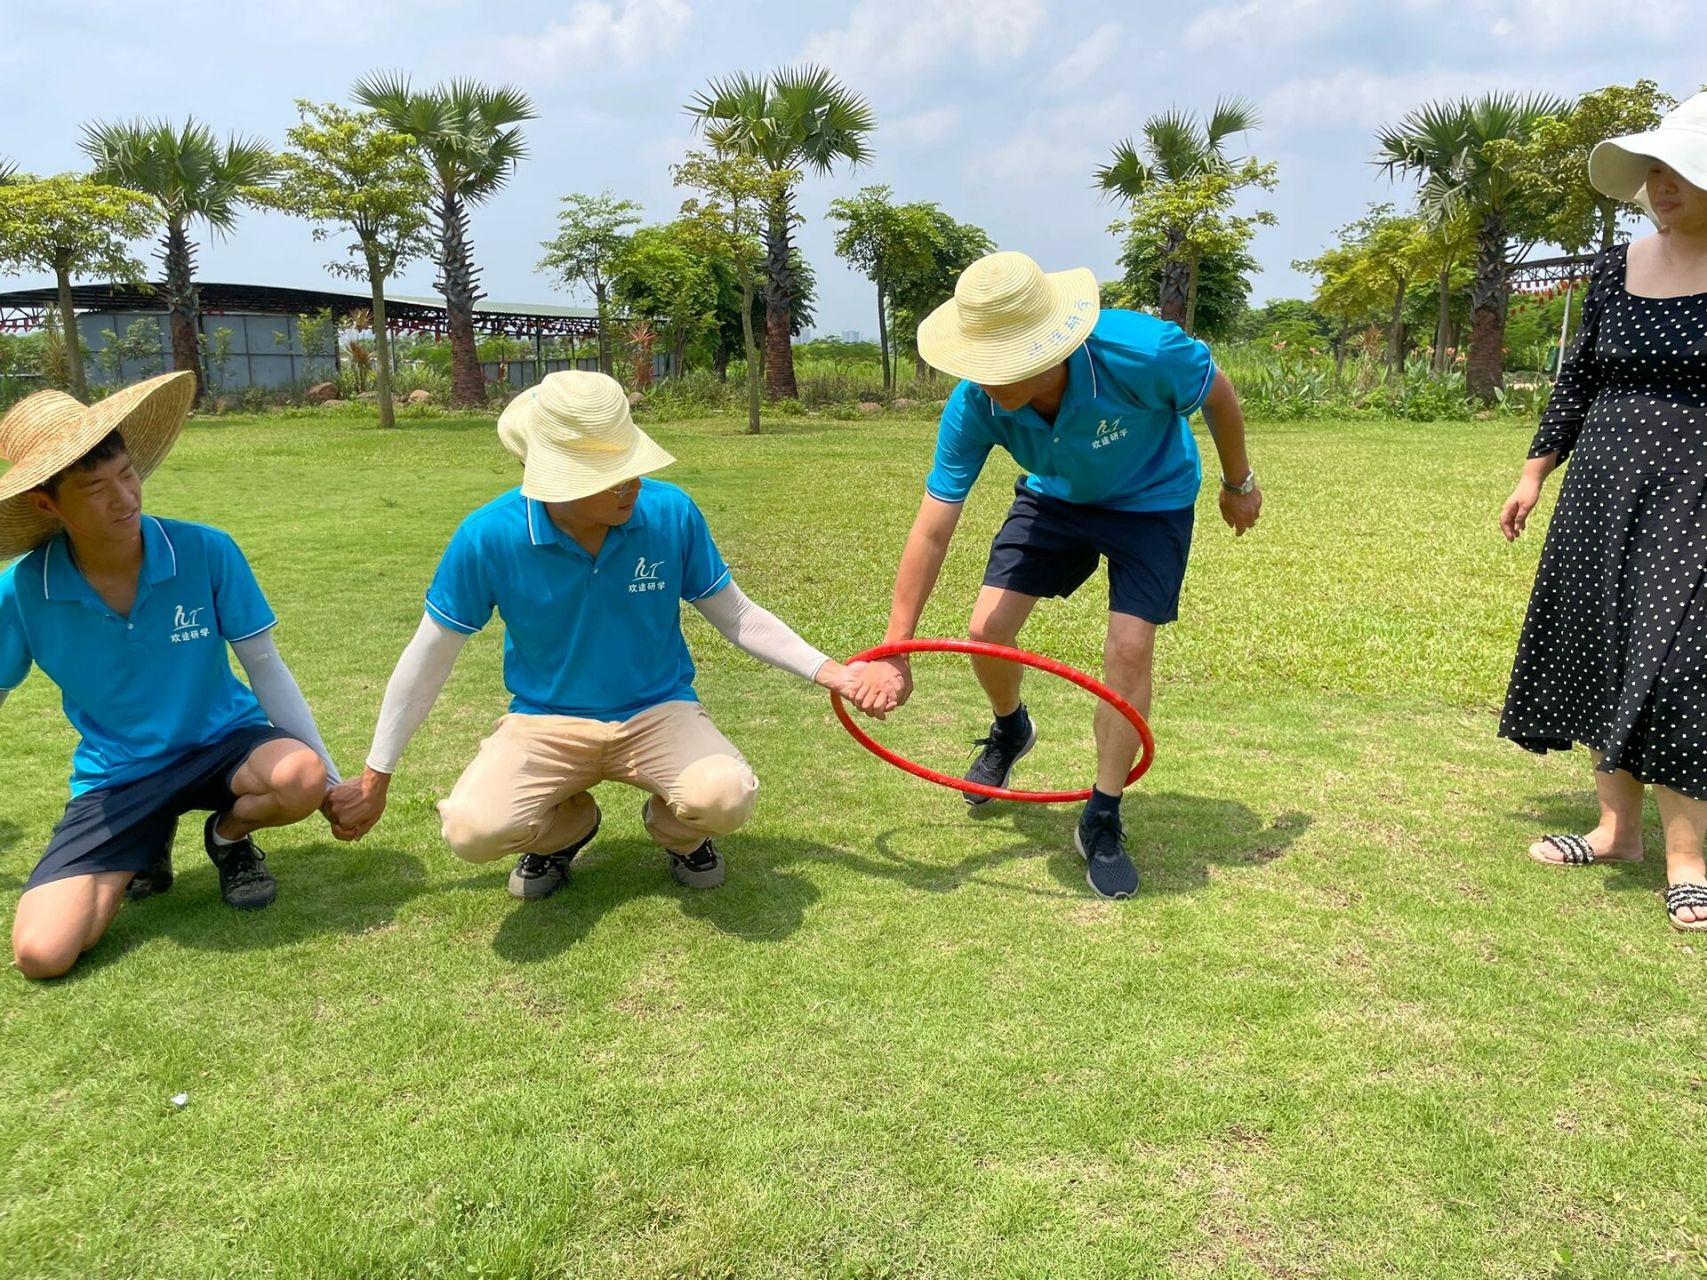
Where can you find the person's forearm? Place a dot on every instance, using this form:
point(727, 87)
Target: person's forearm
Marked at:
point(1538, 469)
point(915, 579)
point(1226, 421)
point(414, 688)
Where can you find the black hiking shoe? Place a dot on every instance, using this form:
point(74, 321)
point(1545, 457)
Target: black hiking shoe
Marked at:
point(1109, 869)
point(154, 880)
point(539, 875)
point(701, 869)
point(244, 881)
point(997, 760)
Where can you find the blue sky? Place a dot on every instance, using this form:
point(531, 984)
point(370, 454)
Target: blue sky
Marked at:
point(996, 109)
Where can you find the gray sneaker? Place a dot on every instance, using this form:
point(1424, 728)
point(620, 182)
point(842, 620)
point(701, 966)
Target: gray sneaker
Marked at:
point(539, 875)
point(701, 869)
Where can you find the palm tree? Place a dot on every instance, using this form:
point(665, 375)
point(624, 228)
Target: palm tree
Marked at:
point(1446, 146)
point(190, 174)
point(1176, 148)
point(795, 118)
point(470, 141)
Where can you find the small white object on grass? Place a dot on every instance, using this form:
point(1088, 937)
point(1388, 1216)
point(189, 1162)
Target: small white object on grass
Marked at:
point(180, 1099)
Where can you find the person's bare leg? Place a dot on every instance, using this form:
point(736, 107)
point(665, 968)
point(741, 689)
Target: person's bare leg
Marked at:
point(60, 920)
point(1618, 838)
point(1127, 660)
point(997, 618)
point(1685, 823)
point(281, 782)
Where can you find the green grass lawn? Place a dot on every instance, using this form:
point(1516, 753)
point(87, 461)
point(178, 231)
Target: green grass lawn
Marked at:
point(1347, 1029)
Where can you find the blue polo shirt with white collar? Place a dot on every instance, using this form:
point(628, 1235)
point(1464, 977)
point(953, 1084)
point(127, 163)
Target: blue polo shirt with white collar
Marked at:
point(146, 689)
point(596, 637)
point(1120, 438)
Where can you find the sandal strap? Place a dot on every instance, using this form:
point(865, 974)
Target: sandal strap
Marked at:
point(1685, 895)
point(1575, 851)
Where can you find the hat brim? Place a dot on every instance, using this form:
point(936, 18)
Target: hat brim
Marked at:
point(149, 415)
point(1619, 167)
point(1022, 352)
point(553, 475)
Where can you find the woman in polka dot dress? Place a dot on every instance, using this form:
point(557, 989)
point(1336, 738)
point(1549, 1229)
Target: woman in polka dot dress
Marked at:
point(1614, 648)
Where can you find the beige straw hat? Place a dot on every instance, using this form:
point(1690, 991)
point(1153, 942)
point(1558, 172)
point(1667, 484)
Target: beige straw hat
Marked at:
point(1008, 321)
point(1619, 167)
point(575, 436)
point(45, 433)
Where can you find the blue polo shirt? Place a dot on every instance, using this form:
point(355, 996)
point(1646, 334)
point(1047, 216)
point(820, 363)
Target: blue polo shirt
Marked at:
point(596, 637)
point(146, 689)
point(1120, 438)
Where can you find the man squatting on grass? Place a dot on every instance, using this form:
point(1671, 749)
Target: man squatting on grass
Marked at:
point(587, 564)
point(130, 616)
point(1096, 407)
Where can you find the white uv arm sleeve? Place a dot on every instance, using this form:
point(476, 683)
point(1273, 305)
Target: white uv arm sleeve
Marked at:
point(760, 632)
point(415, 685)
point(280, 697)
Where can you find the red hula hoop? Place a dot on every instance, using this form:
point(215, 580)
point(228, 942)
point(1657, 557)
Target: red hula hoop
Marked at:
point(982, 649)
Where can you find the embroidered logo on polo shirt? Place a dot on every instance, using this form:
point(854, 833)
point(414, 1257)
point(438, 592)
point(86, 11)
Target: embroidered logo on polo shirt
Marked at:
point(1108, 432)
point(186, 625)
point(646, 577)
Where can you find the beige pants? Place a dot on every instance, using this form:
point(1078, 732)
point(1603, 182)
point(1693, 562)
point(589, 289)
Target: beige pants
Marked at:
point(526, 791)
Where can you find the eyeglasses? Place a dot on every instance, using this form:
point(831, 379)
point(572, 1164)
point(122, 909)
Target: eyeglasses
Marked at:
point(625, 488)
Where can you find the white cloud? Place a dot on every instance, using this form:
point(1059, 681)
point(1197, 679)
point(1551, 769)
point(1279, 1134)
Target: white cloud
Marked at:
point(1263, 23)
point(595, 31)
point(890, 39)
point(1079, 70)
point(925, 128)
point(1060, 148)
point(1362, 100)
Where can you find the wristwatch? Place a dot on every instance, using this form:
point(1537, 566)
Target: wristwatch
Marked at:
point(1244, 486)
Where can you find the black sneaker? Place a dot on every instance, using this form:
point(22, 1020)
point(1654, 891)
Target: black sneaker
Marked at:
point(155, 879)
point(997, 760)
point(244, 881)
point(701, 869)
point(539, 875)
point(1109, 869)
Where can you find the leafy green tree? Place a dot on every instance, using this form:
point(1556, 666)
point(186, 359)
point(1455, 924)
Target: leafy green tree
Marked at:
point(738, 194)
point(1190, 219)
point(1176, 148)
point(1223, 285)
point(73, 226)
point(661, 276)
point(885, 242)
point(470, 140)
point(592, 234)
point(349, 169)
point(1449, 146)
point(191, 175)
point(791, 120)
point(922, 285)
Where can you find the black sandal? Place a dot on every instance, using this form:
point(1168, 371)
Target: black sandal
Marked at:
point(1679, 896)
point(1575, 851)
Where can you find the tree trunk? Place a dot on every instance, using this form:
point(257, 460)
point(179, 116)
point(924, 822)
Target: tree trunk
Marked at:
point(922, 371)
point(752, 358)
point(1485, 373)
point(883, 341)
point(779, 298)
point(1608, 224)
point(1396, 336)
point(1339, 355)
point(180, 262)
point(679, 353)
point(1175, 285)
point(1443, 326)
point(1191, 297)
point(381, 345)
point(599, 302)
point(720, 359)
point(459, 283)
point(73, 339)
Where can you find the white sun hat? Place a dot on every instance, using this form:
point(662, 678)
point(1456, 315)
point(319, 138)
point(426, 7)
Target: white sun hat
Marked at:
point(575, 436)
point(1009, 321)
point(1619, 167)
point(45, 433)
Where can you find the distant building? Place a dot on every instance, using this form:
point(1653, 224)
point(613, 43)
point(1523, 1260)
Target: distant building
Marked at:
point(851, 335)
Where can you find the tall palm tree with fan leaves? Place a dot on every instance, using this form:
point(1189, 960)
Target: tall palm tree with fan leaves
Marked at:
point(796, 118)
point(470, 139)
point(191, 175)
point(1175, 147)
point(1446, 146)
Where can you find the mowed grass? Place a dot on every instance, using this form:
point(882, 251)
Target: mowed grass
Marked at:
point(1347, 1029)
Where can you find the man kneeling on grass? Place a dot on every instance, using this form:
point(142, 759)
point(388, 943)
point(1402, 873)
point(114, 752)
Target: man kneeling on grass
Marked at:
point(130, 615)
point(587, 564)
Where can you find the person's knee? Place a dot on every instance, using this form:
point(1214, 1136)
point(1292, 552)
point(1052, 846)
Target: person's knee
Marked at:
point(476, 834)
point(38, 954)
point(299, 784)
point(988, 628)
point(715, 795)
point(1129, 652)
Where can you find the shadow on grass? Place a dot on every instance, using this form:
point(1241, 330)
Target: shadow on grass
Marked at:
point(9, 835)
point(1574, 812)
point(1175, 839)
point(324, 888)
point(760, 902)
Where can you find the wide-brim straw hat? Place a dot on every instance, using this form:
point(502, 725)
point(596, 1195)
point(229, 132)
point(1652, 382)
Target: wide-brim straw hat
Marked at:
point(1009, 320)
point(45, 433)
point(575, 436)
point(1619, 167)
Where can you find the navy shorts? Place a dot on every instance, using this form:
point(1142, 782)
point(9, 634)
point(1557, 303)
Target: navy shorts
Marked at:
point(1047, 547)
point(128, 827)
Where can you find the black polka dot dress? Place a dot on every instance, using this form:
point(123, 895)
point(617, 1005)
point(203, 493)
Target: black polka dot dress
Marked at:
point(1614, 647)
